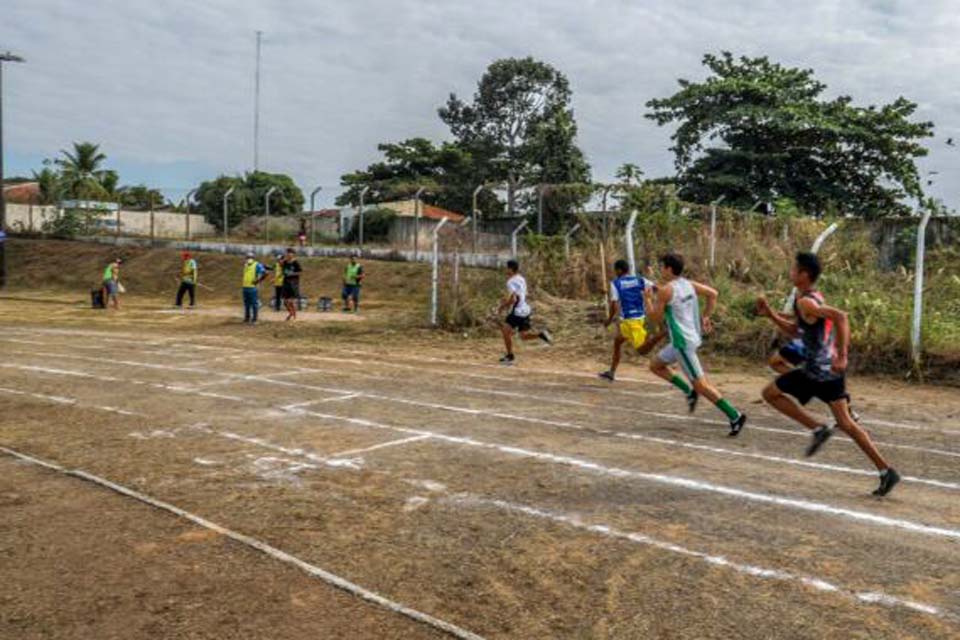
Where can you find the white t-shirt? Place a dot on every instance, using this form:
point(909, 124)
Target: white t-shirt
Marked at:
point(517, 285)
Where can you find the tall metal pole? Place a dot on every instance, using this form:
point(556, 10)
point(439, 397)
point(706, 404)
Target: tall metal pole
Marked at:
point(4, 57)
point(543, 190)
point(186, 202)
point(226, 219)
point(416, 223)
point(313, 216)
point(266, 217)
point(256, 109)
point(363, 193)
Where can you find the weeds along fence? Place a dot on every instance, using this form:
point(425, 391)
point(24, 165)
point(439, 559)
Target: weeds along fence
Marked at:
point(868, 270)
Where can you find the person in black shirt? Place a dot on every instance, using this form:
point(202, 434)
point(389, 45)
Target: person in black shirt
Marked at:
point(291, 283)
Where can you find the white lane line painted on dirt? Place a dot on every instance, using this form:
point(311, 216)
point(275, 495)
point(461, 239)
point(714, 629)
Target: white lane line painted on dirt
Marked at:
point(307, 403)
point(819, 584)
point(504, 378)
point(552, 372)
point(569, 425)
point(690, 484)
point(330, 462)
point(263, 547)
point(382, 445)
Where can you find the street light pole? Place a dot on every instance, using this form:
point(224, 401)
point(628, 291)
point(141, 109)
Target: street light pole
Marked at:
point(256, 109)
point(186, 204)
point(226, 219)
point(266, 217)
point(313, 216)
point(363, 194)
point(4, 57)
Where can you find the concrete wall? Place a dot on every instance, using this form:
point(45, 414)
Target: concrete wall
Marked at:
point(27, 218)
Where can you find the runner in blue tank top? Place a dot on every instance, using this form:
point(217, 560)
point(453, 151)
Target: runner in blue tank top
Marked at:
point(825, 332)
point(627, 305)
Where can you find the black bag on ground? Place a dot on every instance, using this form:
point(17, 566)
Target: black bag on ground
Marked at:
point(96, 299)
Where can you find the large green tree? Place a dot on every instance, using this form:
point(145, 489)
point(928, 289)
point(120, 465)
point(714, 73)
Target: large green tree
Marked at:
point(139, 197)
point(445, 170)
point(757, 130)
point(248, 197)
point(519, 128)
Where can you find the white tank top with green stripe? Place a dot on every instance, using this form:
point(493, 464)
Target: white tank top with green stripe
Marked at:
point(683, 315)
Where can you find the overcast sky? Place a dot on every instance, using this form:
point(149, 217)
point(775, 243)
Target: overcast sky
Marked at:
point(166, 88)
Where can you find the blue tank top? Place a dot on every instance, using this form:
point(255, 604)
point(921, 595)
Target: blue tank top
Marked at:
point(630, 291)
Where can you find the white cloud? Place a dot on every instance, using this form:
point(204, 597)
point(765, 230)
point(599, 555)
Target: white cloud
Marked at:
point(170, 84)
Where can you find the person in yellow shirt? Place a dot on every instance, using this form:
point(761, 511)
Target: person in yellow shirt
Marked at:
point(188, 280)
point(253, 274)
point(278, 282)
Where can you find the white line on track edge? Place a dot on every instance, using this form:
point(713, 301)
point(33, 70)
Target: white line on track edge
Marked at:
point(313, 570)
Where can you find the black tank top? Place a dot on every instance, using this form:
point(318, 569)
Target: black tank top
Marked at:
point(818, 341)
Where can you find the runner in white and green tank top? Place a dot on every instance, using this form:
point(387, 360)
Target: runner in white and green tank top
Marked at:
point(677, 305)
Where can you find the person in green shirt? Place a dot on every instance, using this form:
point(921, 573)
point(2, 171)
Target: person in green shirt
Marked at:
point(352, 280)
point(111, 284)
point(188, 280)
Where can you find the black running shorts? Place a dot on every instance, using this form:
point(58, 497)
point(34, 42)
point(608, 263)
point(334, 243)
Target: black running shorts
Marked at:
point(802, 386)
point(520, 323)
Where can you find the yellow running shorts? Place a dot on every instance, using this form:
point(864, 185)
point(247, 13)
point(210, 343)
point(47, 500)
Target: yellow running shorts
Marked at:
point(634, 331)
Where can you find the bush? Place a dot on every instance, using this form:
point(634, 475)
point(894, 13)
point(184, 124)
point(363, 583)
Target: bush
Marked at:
point(71, 223)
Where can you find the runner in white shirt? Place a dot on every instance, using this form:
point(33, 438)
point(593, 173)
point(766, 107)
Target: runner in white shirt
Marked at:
point(676, 303)
point(518, 317)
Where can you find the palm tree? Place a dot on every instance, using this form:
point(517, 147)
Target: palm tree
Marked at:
point(82, 175)
point(48, 184)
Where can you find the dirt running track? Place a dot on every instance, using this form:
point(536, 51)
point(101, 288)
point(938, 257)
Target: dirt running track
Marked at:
point(533, 502)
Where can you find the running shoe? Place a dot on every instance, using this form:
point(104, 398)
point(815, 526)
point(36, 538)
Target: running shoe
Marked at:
point(606, 375)
point(507, 360)
point(546, 337)
point(736, 426)
point(692, 399)
point(820, 436)
point(888, 480)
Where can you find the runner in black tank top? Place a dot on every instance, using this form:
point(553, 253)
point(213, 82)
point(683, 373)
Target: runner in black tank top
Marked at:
point(825, 332)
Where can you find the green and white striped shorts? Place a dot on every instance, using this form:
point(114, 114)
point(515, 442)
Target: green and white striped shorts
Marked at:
point(687, 359)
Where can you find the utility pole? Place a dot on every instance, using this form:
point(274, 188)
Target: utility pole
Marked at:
point(4, 57)
point(256, 109)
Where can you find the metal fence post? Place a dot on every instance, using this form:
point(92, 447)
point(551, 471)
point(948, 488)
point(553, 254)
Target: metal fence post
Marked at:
point(416, 223)
point(435, 277)
point(475, 216)
point(186, 202)
point(826, 233)
point(363, 193)
point(918, 288)
point(713, 230)
point(266, 212)
point(116, 237)
point(543, 191)
point(226, 219)
point(566, 239)
point(628, 240)
point(313, 216)
point(513, 238)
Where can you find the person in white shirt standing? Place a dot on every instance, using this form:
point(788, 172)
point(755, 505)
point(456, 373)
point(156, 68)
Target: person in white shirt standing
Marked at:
point(518, 318)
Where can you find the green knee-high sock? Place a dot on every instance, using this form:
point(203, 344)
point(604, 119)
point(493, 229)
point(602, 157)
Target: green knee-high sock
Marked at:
point(727, 409)
point(680, 383)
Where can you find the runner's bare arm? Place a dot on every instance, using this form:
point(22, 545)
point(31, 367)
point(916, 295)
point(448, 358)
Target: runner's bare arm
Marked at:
point(812, 309)
point(612, 312)
point(508, 301)
point(655, 300)
point(711, 296)
point(786, 324)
